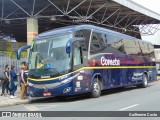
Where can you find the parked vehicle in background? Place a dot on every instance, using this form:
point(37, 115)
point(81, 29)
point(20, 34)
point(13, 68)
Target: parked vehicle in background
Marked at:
point(8, 38)
point(158, 69)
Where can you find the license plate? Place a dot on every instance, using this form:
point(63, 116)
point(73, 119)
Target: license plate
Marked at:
point(46, 94)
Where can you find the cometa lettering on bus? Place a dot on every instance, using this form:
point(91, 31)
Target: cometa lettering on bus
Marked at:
point(114, 62)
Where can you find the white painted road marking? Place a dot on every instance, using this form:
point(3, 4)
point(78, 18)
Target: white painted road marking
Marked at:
point(31, 107)
point(129, 107)
point(34, 108)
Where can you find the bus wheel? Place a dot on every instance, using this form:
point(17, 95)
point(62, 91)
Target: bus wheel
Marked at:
point(145, 82)
point(96, 88)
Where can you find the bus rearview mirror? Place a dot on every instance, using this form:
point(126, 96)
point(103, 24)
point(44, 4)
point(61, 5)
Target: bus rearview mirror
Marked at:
point(68, 47)
point(21, 49)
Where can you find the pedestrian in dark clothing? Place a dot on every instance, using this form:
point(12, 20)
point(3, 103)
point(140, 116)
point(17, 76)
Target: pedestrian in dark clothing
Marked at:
point(4, 85)
point(6, 73)
point(13, 81)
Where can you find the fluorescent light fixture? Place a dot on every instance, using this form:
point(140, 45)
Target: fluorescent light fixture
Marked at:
point(53, 18)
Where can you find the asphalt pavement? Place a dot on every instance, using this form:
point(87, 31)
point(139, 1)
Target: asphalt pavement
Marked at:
point(127, 99)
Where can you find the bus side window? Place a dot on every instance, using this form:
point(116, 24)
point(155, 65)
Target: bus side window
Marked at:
point(98, 43)
point(77, 58)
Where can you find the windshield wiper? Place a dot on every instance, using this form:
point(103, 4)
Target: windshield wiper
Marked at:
point(53, 69)
point(64, 71)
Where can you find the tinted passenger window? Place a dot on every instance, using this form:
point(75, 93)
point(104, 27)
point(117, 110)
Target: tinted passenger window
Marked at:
point(98, 43)
point(115, 44)
point(144, 48)
point(131, 47)
point(86, 34)
point(151, 51)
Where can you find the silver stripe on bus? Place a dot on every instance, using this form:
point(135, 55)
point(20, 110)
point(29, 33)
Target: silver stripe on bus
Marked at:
point(52, 85)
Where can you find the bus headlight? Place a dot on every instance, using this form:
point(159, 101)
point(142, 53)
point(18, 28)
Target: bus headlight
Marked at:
point(80, 77)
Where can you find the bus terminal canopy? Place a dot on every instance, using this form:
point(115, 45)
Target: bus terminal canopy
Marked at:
point(120, 15)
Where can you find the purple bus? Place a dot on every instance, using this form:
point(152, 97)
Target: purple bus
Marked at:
point(87, 59)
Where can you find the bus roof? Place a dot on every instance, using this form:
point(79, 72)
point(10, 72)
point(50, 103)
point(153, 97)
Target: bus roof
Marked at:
point(72, 28)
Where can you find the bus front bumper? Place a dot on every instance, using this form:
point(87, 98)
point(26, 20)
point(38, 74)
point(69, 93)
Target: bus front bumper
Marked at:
point(54, 89)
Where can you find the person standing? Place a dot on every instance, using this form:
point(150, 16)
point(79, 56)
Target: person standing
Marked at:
point(4, 85)
point(6, 73)
point(13, 81)
point(24, 77)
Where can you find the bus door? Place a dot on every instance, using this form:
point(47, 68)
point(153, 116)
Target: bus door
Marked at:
point(77, 56)
point(78, 61)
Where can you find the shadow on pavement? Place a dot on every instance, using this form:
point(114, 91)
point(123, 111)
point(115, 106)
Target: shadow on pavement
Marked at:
point(84, 96)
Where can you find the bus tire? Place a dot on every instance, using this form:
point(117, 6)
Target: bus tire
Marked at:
point(96, 88)
point(144, 84)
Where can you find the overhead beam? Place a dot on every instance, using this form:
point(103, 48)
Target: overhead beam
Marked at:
point(2, 9)
point(104, 12)
point(11, 13)
point(89, 7)
point(76, 6)
point(110, 16)
point(131, 23)
point(20, 7)
point(77, 12)
point(56, 7)
point(67, 6)
point(96, 11)
point(34, 1)
point(121, 19)
point(42, 10)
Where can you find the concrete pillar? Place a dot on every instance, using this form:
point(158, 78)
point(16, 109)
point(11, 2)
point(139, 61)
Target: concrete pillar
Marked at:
point(32, 29)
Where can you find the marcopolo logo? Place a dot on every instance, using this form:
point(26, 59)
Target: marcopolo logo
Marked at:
point(106, 62)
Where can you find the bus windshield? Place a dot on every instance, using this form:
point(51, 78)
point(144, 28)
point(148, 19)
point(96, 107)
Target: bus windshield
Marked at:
point(48, 56)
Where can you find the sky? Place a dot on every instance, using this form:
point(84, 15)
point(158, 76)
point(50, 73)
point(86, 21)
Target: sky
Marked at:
point(151, 4)
point(154, 6)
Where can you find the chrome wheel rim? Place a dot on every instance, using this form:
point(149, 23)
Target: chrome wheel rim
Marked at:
point(145, 81)
point(96, 87)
